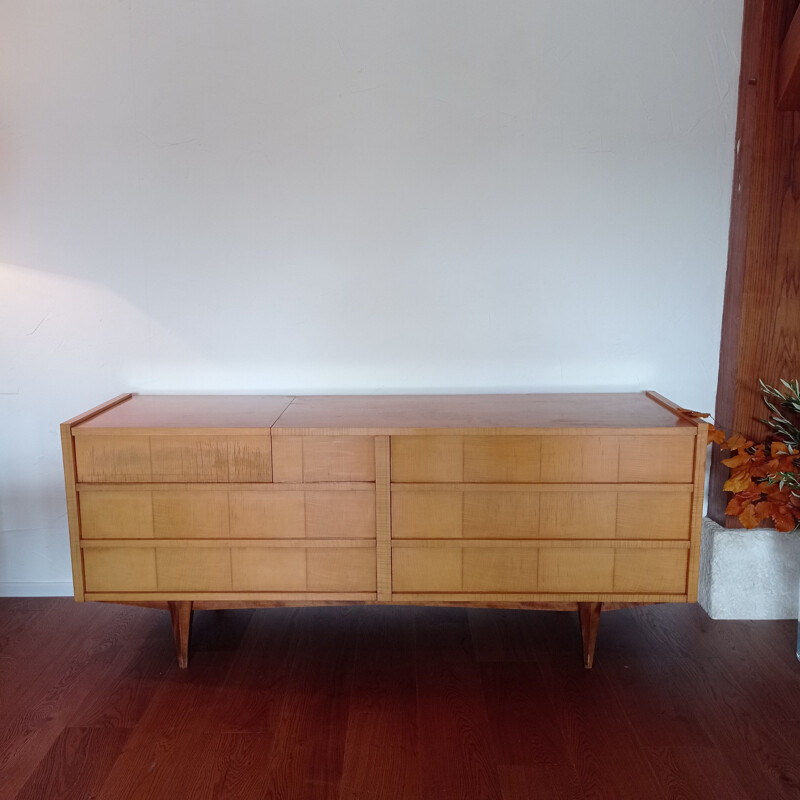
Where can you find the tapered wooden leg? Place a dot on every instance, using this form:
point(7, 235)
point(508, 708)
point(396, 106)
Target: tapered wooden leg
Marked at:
point(181, 613)
point(589, 614)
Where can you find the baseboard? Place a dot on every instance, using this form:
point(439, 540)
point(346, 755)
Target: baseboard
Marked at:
point(42, 589)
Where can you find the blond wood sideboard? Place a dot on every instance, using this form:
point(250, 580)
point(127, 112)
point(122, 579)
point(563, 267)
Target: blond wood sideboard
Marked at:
point(563, 501)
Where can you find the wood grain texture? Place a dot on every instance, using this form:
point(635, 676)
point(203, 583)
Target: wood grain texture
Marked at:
point(381, 754)
point(589, 615)
point(485, 515)
point(497, 568)
point(476, 414)
point(545, 459)
point(388, 702)
point(73, 512)
point(696, 524)
point(137, 458)
point(461, 511)
point(191, 413)
point(120, 569)
point(761, 312)
point(76, 765)
point(383, 518)
point(789, 68)
point(454, 745)
point(324, 458)
point(181, 615)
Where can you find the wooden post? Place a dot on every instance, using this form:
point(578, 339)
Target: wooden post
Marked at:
point(181, 613)
point(761, 313)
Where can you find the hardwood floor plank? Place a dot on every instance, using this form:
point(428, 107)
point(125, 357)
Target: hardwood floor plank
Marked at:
point(179, 763)
point(600, 741)
point(249, 698)
point(220, 630)
point(75, 766)
point(182, 699)
point(695, 772)
point(27, 659)
point(456, 758)
point(62, 676)
point(656, 708)
point(307, 756)
point(507, 635)
point(735, 714)
point(523, 723)
point(19, 614)
point(396, 703)
point(122, 699)
point(547, 781)
point(240, 759)
point(381, 750)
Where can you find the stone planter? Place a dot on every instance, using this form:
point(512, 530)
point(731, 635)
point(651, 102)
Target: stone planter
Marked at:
point(749, 574)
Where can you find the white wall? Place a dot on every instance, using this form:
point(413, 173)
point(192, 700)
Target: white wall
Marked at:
point(350, 195)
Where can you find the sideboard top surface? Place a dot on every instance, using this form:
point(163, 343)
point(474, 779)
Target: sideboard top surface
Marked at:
point(389, 414)
point(190, 411)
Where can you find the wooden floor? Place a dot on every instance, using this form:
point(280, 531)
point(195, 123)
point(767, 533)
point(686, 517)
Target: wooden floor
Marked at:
point(377, 702)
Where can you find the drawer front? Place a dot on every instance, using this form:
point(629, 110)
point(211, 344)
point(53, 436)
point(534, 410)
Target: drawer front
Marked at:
point(313, 459)
point(312, 514)
point(469, 513)
point(216, 514)
point(227, 569)
point(193, 569)
point(178, 459)
point(157, 569)
point(120, 569)
point(542, 459)
point(462, 568)
point(304, 569)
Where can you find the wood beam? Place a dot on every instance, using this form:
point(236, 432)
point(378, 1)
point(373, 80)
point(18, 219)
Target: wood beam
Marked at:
point(789, 68)
point(761, 313)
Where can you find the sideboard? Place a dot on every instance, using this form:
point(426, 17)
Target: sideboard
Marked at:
point(578, 502)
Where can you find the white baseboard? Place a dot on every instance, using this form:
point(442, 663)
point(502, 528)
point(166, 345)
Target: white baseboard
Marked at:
point(42, 589)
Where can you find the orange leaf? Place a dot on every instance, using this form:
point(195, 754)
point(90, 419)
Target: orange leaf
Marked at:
point(737, 442)
point(778, 449)
point(763, 509)
point(749, 518)
point(736, 505)
point(784, 521)
point(737, 461)
point(715, 435)
point(738, 482)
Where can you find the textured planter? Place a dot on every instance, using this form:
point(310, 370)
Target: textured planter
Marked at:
point(749, 574)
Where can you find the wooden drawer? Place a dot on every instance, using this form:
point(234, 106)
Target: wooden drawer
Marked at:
point(226, 568)
point(312, 513)
point(299, 569)
point(469, 512)
point(489, 568)
point(120, 569)
point(543, 459)
point(180, 459)
point(311, 459)
point(199, 513)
